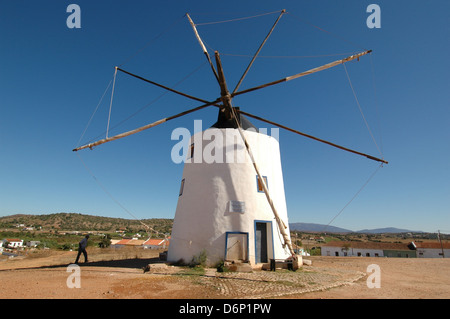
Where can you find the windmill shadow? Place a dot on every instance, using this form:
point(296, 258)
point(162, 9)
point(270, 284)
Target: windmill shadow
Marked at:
point(129, 263)
point(134, 263)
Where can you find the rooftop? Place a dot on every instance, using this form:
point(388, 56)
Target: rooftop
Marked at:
point(386, 246)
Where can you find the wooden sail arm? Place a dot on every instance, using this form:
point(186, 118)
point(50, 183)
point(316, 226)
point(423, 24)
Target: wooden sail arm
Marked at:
point(202, 46)
point(314, 138)
point(281, 225)
point(224, 93)
point(257, 51)
point(145, 127)
point(298, 75)
point(231, 113)
point(163, 86)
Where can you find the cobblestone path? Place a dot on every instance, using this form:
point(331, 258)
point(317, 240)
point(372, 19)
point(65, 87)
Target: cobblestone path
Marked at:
point(268, 284)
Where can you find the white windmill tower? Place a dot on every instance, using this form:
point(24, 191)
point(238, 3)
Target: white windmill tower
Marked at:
point(232, 204)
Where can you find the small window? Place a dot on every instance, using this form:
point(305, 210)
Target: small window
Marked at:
point(260, 186)
point(191, 151)
point(181, 187)
point(367, 254)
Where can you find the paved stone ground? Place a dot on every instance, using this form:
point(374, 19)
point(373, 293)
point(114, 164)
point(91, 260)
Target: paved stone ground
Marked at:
point(112, 276)
point(270, 284)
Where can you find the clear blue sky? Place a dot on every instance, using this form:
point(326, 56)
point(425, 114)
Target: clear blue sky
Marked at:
point(52, 78)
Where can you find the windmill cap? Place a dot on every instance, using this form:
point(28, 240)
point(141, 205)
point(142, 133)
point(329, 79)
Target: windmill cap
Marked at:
point(223, 122)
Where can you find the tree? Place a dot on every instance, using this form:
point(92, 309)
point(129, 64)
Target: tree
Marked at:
point(105, 242)
point(346, 248)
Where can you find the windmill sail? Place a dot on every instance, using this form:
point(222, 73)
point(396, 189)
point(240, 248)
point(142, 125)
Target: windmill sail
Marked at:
point(314, 138)
point(257, 52)
point(143, 128)
point(203, 46)
point(225, 97)
point(298, 75)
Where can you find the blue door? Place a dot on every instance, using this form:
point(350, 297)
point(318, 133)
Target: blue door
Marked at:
point(261, 242)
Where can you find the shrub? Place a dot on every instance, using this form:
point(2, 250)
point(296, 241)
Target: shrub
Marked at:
point(221, 267)
point(199, 260)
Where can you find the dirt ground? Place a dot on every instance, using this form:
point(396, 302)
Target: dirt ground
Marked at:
point(120, 275)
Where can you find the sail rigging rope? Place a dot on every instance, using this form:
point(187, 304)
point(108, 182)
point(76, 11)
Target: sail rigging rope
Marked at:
point(354, 196)
point(105, 190)
point(139, 110)
point(159, 96)
point(153, 40)
point(238, 19)
point(117, 201)
point(376, 102)
point(93, 114)
point(361, 111)
point(370, 131)
point(289, 56)
point(110, 103)
point(326, 31)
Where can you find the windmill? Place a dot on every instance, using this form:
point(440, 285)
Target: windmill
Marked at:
point(232, 210)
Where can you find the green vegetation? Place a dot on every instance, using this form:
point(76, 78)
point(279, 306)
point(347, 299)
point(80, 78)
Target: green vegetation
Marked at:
point(105, 242)
point(193, 271)
point(221, 267)
point(65, 230)
point(199, 260)
point(313, 239)
point(83, 223)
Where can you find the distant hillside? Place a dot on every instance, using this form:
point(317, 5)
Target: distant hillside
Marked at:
point(387, 230)
point(82, 222)
point(319, 228)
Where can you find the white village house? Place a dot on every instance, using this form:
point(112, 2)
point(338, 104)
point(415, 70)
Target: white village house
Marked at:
point(33, 243)
point(12, 243)
point(432, 250)
point(151, 243)
point(377, 249)
point(156, 243)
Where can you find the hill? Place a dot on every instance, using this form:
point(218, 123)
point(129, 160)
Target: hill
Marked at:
point(83, 222)
point(390, 230)
point(319, 228)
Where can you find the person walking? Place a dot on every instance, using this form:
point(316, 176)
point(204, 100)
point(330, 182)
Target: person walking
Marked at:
point(82, 249)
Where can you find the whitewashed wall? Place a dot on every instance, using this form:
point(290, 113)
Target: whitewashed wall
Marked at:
point(203, 215)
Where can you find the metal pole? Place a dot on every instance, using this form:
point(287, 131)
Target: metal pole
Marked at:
point(440, 240)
